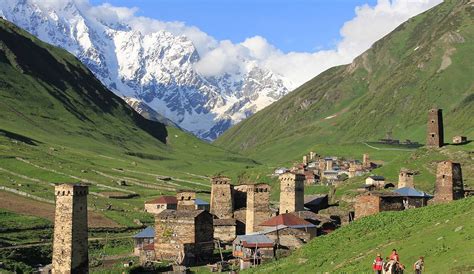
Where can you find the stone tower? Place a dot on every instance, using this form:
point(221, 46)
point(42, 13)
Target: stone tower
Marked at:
point(329, 164)
point(70, 249)
point(435, 133)
point(291, 192)
point(366, 160)
point(258, 206)
point(186, 200)
point(449, 185)
point(221, 197)
point(305, 160)
point(405, 178)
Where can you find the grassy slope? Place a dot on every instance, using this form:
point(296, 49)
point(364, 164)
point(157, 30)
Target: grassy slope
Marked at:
point(441, 233)
point(60, 118)
point(389, 87)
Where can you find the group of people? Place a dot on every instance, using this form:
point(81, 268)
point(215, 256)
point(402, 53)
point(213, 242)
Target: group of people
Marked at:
point(392, 264)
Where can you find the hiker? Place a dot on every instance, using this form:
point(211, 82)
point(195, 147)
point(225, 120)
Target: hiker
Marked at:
point(394, 256)
point(377, 266)
point(419, 265)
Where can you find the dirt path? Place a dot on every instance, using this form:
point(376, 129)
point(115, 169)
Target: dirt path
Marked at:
point(90, 239)
point(22, 205)
point(172, 178)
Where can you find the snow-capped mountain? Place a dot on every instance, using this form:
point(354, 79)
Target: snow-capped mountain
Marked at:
point(157, 68)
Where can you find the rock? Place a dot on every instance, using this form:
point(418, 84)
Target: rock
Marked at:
point(459, 228)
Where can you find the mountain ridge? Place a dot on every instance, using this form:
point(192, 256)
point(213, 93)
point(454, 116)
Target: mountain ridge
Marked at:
point(157, 68)
point(422, 64)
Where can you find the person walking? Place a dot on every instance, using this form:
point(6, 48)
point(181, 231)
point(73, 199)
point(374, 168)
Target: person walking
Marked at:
point(394, 256)
point(419, 265)
point(377, 266)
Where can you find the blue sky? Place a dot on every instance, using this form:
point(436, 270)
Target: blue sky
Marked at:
point(298, 25)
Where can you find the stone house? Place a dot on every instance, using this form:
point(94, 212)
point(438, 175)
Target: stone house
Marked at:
point(159, 204)
point(225, 230)
point(377, 181)
point(459, 139)
point(253, 249)
point(413, 198)
point(142, 240)
point(310, 177)
point(288, 230)
point(375, 202)
point(184, 236)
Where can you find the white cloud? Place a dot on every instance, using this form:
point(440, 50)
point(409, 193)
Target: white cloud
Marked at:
point(217, 57)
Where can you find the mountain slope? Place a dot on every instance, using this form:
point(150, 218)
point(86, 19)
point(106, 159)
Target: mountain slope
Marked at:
point(441, 233)
point(157, 68)
point(426, 62)
point(60, 124)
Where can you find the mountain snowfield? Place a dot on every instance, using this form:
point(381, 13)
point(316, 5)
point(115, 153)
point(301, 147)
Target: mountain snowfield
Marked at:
point(156, 68)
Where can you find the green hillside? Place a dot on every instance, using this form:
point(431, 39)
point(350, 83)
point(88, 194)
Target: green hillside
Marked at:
point(443, 234)
point(425, 62)
point(58, 123)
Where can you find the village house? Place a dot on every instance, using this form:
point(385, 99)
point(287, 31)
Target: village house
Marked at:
point(459, 139)
point(143, 239)
point(375, 202)
point(288, 231)
point(184, 236)
point(225, 230)
point(159, 204)
point(413, 198)
point(377, 181)
point(253, 249)
point(323, 222)
point(310, 177)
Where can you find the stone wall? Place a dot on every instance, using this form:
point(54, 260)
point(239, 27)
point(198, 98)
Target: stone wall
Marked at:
point(186, 200)
point(449, 184)
point(221, 197)
point(258, 206)
point(184, 237)
point(435, 131)
point(226, 233)
point(240, 197)
point(366, 205)
point(70, 246)
point(291, 192)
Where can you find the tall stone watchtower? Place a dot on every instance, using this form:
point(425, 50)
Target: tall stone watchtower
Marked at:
point(405, 178)
point(366, 160)
point(435, 134)
point(291, 192)
point(70, 250)
point(221, 197)
point(449, 185)
point(258, 206)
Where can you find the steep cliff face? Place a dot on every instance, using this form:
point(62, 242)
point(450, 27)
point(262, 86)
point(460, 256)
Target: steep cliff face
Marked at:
point(157, 68)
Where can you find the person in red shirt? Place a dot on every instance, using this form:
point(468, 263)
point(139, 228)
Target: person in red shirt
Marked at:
point(377, 266)
point(394, 256)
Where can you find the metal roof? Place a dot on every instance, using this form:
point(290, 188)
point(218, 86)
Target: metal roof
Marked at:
point(255, 240)
point(377, 178)
point(148, 232)
point(200, 202)
point(411, 192)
